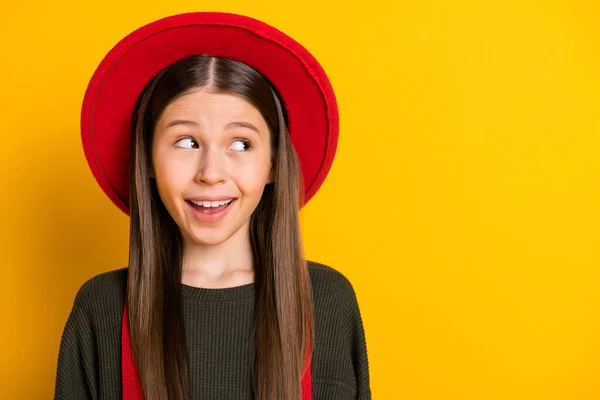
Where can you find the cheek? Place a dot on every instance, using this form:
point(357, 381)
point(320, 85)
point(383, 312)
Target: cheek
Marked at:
point(170, 179)
point(253, 176)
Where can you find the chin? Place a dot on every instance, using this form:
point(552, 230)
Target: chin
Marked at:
point(211, 239)
point(211, 236)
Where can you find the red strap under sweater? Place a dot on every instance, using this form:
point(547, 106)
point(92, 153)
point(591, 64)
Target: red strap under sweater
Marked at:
point(132, 388)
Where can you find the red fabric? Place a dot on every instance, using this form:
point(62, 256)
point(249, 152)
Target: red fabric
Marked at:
point(120, 78)
point(132, 388)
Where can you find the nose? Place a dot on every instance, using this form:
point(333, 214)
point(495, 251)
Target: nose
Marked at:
point(212, 167)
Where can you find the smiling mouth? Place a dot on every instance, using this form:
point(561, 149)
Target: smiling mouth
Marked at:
point(209, 207)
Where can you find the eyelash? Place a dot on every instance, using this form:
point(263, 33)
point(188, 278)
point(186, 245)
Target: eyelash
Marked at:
point(247, 142)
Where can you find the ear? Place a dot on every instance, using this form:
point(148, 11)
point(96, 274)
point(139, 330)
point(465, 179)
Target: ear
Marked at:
point(151, 173)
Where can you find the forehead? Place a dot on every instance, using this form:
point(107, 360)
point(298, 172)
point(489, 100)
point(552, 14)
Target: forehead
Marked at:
point(201, 103)
point(208, 112)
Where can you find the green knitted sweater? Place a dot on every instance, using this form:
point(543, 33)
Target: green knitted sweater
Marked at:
point(218, 324)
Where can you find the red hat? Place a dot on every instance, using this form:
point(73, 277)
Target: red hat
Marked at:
point(113, 91)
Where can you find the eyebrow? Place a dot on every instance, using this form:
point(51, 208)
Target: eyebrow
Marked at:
point(233, 124)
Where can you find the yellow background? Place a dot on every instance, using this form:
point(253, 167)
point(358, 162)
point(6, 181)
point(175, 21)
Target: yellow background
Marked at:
point(463, 203)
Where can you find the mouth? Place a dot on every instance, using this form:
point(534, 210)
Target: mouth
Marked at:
point(210, 207)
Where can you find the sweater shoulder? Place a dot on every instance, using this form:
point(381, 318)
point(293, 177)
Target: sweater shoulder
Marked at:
point(340, 357)
point(102, 290)
point(324, 277)
point(87, 357)
point(332, 290)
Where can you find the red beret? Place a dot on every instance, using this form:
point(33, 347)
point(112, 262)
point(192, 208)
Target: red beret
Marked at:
point(113, 91)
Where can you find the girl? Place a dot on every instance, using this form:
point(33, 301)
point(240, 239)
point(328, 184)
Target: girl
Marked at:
point(210, 158)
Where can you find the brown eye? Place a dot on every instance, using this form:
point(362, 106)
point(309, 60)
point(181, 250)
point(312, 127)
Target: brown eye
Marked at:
point(241, 145)
point(183, 140)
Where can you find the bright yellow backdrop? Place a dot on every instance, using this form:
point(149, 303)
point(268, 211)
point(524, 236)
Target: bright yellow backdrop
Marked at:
point(463, 203)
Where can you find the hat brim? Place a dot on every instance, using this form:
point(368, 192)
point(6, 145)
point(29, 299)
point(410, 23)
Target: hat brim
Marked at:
point(113, 91)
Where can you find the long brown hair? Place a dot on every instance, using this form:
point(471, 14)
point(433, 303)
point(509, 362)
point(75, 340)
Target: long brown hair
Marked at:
point(283, 293)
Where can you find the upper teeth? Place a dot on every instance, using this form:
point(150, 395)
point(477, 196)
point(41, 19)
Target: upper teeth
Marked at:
point(212, 203)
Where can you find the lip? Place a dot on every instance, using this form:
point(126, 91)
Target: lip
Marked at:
point(212, 217)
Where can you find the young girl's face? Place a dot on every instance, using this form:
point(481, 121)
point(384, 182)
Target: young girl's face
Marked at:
point(211, 148)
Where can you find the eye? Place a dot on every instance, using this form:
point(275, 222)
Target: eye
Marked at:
point(185, 140)
point(241, 145)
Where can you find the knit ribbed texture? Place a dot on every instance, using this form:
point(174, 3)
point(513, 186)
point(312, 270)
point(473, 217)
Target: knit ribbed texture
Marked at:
point(218, 325)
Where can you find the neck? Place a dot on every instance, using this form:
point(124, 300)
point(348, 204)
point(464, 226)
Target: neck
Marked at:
point(226, 264)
